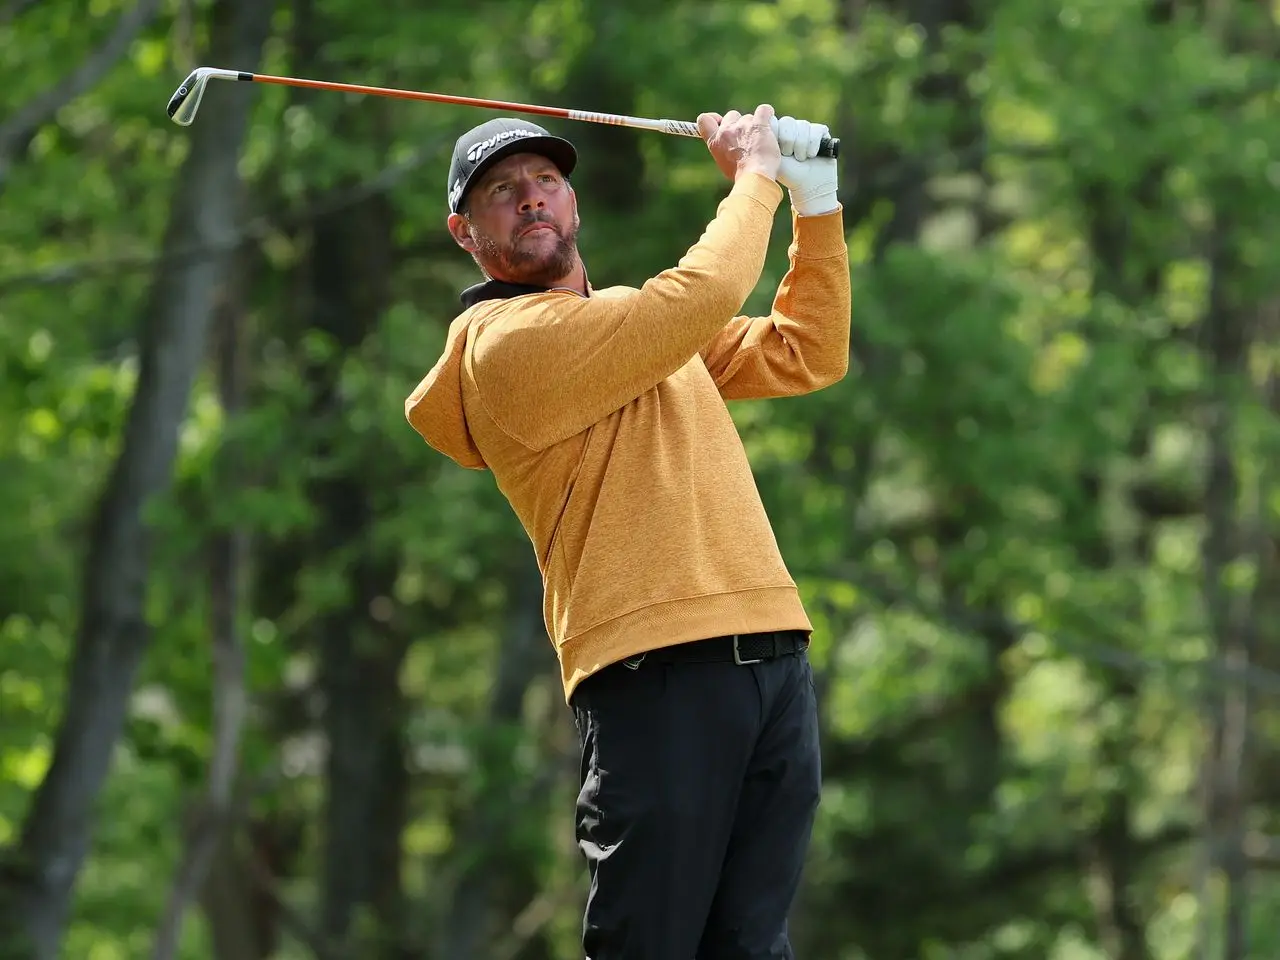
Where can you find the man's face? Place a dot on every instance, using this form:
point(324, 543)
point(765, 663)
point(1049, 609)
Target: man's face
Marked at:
point(521, 222)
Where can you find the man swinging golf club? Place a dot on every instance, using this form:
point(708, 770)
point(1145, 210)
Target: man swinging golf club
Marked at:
point(601, 414)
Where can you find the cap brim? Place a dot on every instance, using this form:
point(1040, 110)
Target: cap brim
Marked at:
point(556, 149)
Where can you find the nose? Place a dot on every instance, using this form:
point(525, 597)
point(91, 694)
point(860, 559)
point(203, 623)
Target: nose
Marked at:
point(530, 198)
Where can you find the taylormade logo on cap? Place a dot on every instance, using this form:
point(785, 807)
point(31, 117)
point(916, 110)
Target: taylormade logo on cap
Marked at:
point(484, 146)
point(481, 146)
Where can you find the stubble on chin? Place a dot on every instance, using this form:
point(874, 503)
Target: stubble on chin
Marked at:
point(536, 263)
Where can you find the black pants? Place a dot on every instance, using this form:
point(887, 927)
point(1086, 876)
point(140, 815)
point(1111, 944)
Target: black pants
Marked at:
point(700, 782)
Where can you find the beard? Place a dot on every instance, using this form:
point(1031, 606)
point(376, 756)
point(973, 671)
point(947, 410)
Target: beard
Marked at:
point(532, 260)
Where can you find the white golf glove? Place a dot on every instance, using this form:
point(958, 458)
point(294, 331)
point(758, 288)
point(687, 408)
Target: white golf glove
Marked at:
point(810, 179)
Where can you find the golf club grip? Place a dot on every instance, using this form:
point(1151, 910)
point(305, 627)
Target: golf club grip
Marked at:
point(828, 147)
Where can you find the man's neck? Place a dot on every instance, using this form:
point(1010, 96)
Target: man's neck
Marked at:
point(575, 280)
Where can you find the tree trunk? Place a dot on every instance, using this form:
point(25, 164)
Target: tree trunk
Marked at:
point(37, 882)
point(213, 816)
point(1122, 923)
point(879, 175)
point(1113, 848)
point(475, 902)
point(360, 653)
point(241, 898)
point(340, 290)
point(1231, 622)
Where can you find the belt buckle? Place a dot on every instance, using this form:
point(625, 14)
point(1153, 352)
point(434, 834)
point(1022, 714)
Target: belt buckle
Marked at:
point(737, 654)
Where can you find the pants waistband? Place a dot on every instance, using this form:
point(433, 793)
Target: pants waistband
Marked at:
point(740, 648)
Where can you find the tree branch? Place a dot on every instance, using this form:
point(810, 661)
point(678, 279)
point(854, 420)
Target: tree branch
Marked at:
point(1032, 865)
point(189, 254)
point(16, 132)
point(1215, 671)
point(541, 911)
point(290, 916)
point(14, 9)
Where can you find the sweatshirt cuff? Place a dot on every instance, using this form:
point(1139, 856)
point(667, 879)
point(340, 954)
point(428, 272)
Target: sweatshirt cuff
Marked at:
point(819, 237)
point(759, 187)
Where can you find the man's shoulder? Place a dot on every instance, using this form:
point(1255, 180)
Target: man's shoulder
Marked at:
point(490, 319)
point(614, 293)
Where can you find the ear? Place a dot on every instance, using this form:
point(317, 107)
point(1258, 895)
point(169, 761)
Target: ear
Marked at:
point(460, 229)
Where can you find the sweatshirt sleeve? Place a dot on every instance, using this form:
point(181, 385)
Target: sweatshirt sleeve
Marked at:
point(803, 344)
point(547, 367)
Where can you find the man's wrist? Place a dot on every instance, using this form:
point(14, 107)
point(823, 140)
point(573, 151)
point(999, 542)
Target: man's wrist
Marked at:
point(746, 169)
point(815, 205)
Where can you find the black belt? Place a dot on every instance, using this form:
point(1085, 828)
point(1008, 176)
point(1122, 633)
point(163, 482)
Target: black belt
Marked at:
point(740, 648)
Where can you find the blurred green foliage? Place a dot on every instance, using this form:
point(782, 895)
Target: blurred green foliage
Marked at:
point(1002, 519)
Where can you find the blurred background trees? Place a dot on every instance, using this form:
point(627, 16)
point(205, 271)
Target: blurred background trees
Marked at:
point(273, 677)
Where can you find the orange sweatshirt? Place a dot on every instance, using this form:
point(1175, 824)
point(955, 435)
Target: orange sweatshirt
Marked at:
point(603, 421)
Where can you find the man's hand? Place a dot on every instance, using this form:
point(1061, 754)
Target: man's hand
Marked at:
point(812, 180)
point(742, 143)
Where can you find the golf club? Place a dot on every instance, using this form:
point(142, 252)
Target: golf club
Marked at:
point(186, 101)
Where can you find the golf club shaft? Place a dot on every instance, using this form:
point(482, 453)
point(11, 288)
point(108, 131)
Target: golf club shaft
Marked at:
point(830, 146)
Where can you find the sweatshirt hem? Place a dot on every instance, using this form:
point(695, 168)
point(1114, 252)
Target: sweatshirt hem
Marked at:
point(819, 237)
point(672, 622)
point(760, 188)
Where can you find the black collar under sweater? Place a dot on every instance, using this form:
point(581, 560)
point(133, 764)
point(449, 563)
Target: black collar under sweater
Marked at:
point(499, 290)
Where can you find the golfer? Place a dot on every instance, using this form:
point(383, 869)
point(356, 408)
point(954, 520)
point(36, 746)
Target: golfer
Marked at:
point(601, 414)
